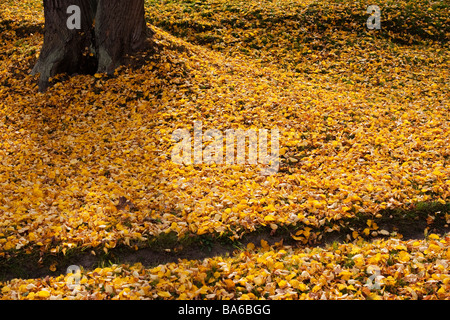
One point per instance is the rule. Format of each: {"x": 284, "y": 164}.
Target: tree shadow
{"x": 22, "y": 30}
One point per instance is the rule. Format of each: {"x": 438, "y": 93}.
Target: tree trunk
{"x": 120, "y": 30}
{"x": 63, "y": 48}
{"x": 99, "y": 45}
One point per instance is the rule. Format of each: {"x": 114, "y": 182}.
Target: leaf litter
{"x": 363, "y": 122}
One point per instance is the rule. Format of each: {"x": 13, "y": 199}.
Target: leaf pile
{"x": 363, "y": 120}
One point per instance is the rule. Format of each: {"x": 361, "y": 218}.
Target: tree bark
{"x": 120, "y": 30}
{"x": 64, "y": 50}
{"x": 100, "y": 45}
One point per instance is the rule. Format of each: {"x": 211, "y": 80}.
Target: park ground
{"x": 359, "y": 208}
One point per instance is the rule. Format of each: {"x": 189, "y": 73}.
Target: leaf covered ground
{"x": 364, "y": 132}
{"x": 403, "y": 269}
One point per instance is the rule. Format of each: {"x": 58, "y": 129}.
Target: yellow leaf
{"x": 37, "y": 192}
{"x": 298, "y": 238}
{"x": 403, "y": 256}
{"x": 43, "y": 294}
{"x": 359, "y": 260}
{"x": 164, "y": 294}
{"x": 31, "y": 236}
{"x": 258, "y": 280}
{"x": 6, "y": 289}
{"x": 306, "y": 233}
{"x": 264, "y": 244}
{"x": 229, "y": 284}
{"x": 316, "y": 288}
{"x": 441, "y": 292}
{"x": 8, "y": 245}
{"x": 302, "y": 287}
{"x": 345, "y": 274}
{"x": 269, "y": 218}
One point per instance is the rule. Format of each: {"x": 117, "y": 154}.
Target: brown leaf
{"x": 124, "y": 202}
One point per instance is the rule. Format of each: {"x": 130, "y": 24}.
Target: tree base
{"x": 119, "y": 30}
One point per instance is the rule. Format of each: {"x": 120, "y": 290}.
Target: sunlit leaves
{"x": 364, "y": 126}
{"x": 404, "y": 270}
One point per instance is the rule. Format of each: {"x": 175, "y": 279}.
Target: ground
{"x": 87, "y": 176}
